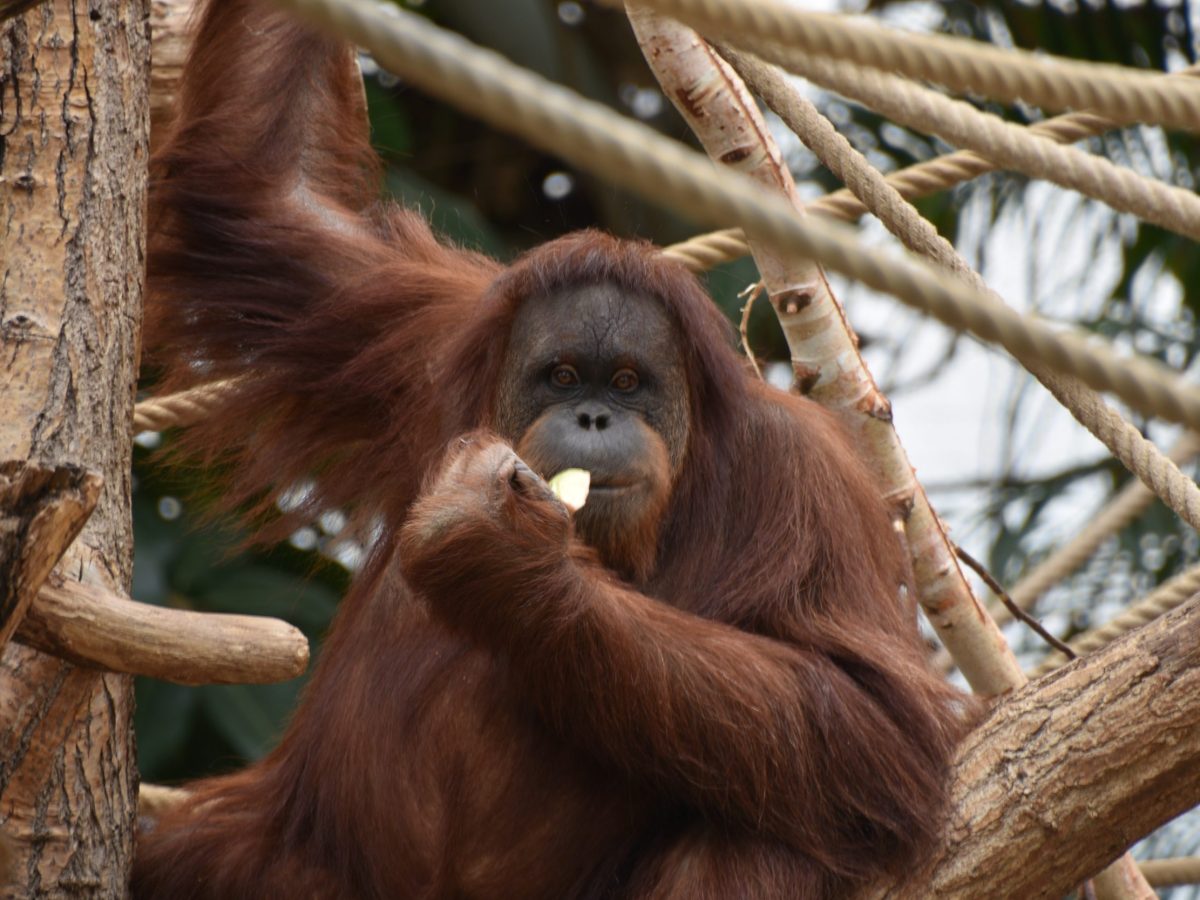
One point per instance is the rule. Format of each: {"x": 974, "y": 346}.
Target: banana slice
{"x": 571, "y": 487}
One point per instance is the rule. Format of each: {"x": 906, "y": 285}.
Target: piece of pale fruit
{"x": 571, "y": 487}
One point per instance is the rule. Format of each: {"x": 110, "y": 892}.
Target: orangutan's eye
{"x": 625, "y": 380}
{"x": 564, "y": 376}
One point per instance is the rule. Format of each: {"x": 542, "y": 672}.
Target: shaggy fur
{"x": 496, "y": 714}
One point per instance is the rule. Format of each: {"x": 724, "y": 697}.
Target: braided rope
{"x": 184, "y": 408}
{"x": 1128, "y": 444}
{"x": 1167, "y": 597}
{"x": 635, "y": 156}
{"x": 1124, "y": 94}
{"x": 902, "y": 219}
{"x": 707, "y": 251}
{"x": 1009, "y": 145}
{"x": 704, "y": 251}
{"x": 156, "y": 799}
{"x": 1123, "y": 509}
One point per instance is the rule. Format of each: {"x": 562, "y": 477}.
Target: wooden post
{"x": 74, "y": 127}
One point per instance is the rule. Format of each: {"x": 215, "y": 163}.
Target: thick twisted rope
{"x": 635, "y": 156}
{"x": 183, "y": 408}
{"x": 1126, "y": 443}
{"x": 1009, "y": 146}
{"x": 902, "y": 219}
{"x": 156, "y": 799}
{"x": 1127, "y": 506}
{"x": 704, "y": 251}
{"x": 709, "y": 250}
{"x": 1124, "y": 508}
{"x": 782, "y": 33}
{"x": 1168, "y": 596}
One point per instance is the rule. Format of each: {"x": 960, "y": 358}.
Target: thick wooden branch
{"x": 1073, "y": 768}
{"x": 42, "y": 509}
{"x": 93, "y": 627}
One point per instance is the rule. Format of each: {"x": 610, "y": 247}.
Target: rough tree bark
{"x": 1073, "y": 768}
{"x": 74, "y": 126}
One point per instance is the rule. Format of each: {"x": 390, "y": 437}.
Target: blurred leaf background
{"x": 487, "y": 190}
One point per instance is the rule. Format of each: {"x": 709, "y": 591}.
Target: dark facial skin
{"x": 594, "y": 380}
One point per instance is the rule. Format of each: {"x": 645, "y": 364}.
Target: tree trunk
{"x": 74, "y": 129}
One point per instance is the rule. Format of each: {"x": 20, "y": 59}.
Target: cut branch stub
{"x": 42, "y": 509}
{"x": 92, "y": 627}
